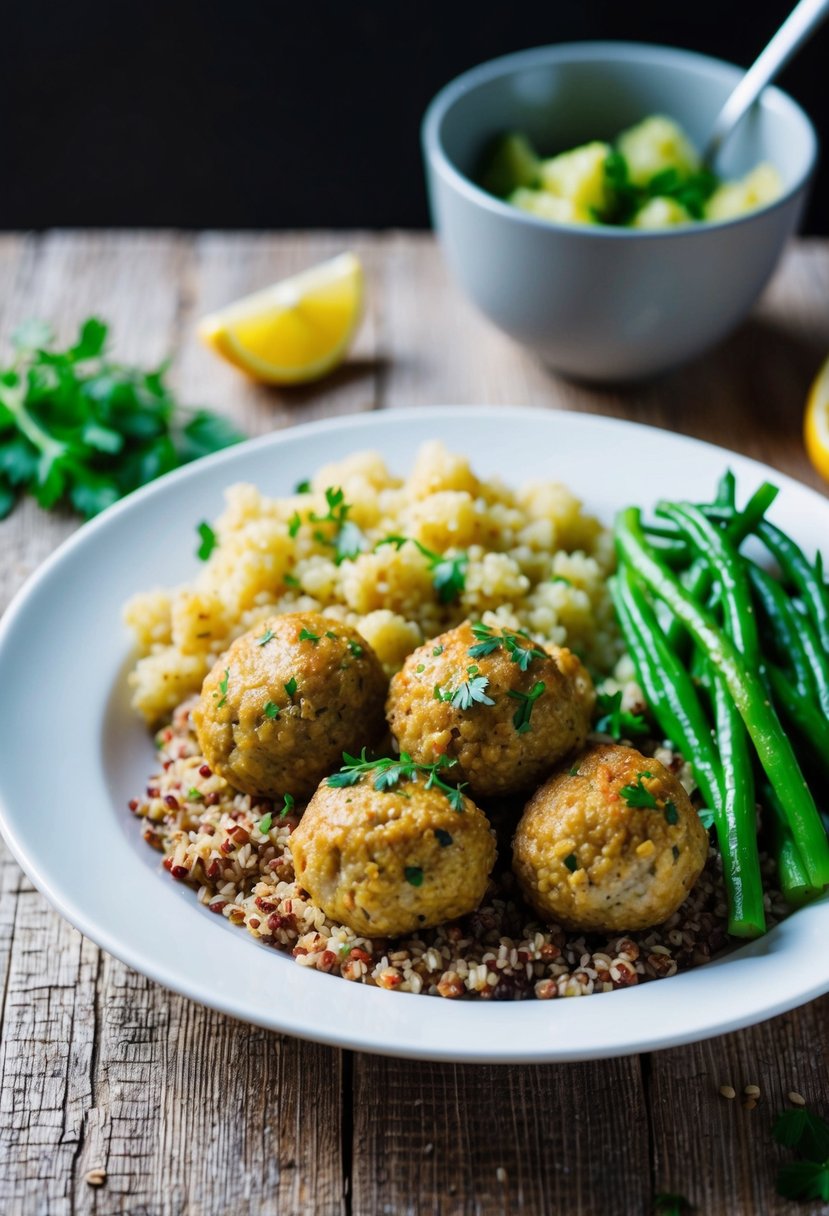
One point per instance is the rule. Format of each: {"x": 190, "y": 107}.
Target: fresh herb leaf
{"x": 638, "y": 796}
{"x": 571, "y": 862}
{"x": 290, "y": 580}
{"x": 444, "y": 838}
{"x": 574, "y": 771}
{"x": 348, "y": 540}
{"x": 294, "y": 525}
{"x": 803, "y": 1180}
{"x": 288, "y": 802}
{"x": 671, "y": 813}
{"x": 521, "y": 717}
{"x": 305, "y": 635}
{"x": 291, "y": 687}
{"x": 804, "y": 1131}
{"x": 302, "y": 487}
{"x": 486, "y": 641}
{"x": 437, "y": 650}
{"x": 706, "y": 818}
{"x": 355, "y": 648}
{"x": 223, "y": 688}
{"x": 329, "y": 633}
{"x": 266, "y": 637}
{"x": 471, "y": 691}
{"x": 271, "y": 710}
{"x": 208, "y": 541}
{"x": 448, "y": 573}
{"x": 195, "y": 795}
{"x": 390, "y": 771}
{"x": 265, "y": 823}
{"x": 615, "y": 721}
{"x": 414, "y": 875}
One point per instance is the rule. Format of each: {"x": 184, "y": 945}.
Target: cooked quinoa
{"x": 236, "y": 853}
{"x": 533, "y": 559}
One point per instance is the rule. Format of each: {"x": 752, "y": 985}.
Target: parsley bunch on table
{"x": 80, "y": 429}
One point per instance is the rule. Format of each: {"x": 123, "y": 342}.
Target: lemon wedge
{"x": 816, "y": 422}
{"x": 294, "y": 331}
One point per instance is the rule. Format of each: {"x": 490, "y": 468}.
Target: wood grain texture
{"x": 189, "y": 1112}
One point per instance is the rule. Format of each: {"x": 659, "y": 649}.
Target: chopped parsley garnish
{"x": 448, "y": 573}
{"x": 414, "y": 875}
{"x": 437, "y": 650}
{"x": 521, "y": 717}
{"x": 807, "y": 1134}
{"x": 329, "y": 633}
{"x": 638, "y": 796}
{"x": 671, "y": 813}
{"x": 348, "y": 540}
{"x": 391, "y": 770}
{"x": 302, "y": 487}
{"x": 294, "y": 524}
{"x": 265, "y": 823}
{"x": 208, "y": 541}
{"x": 574, "y": 771}
{"x": 487, "y": 641}
{"x": 271, "y": 709}
{"x": 706, "y": 817}
{"x": 615, "y": 721}
{"x": 288, "y": 802}
{"x": 291, "y": 686}
{"x": 470, "y": 692}
{"x": 443, "y": 837}
{"x": 290, "y": 580}
{"x": 195, "y": 795}
{"x": 305, "y": 635}
{"x": 420, "y": 667}
{"x": 355, "y": 648}
{"x": 266, "y": 637}
{"x": 223, "y": 688}
{"x": 571, "y": 862}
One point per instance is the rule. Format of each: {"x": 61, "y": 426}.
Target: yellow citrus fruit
{"x": 816, "y": 422}
{"x": 296, "y": 330}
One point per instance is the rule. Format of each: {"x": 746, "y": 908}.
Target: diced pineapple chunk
{"x": 578, "y": 176}
{"x": 661, "y": 212}
{"x": 545, "y": 206}
{"x": 654, "y": 145}
{"x": 757, "y": 189}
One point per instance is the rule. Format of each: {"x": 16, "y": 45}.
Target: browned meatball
{"x": 504, "y": 707}
{"x": 286, "y": 700}
{"x": 392, "y": 861}
{"x": 610, "y": 843}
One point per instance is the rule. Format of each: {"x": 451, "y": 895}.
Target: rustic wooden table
{"x": 189, "y": 1112}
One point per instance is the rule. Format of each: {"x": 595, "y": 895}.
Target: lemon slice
{"x": 816, "y": 422}
{"x": 296, "y": 330}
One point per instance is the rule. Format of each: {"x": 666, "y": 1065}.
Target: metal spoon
{"x": 800, "y": 24}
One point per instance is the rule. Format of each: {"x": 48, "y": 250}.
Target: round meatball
{"x": 609, "y": 844}
{"x": 389, "y": 862}
{"x": 504, "y": 707}
{"x": 286, "y": 700}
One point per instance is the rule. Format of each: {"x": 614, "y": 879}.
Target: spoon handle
{"x": 798, "y": 26}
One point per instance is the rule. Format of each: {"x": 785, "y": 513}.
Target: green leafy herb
{"x": 443, "y": 837}
{"x": 420, "y": 667}
{"x": 521, "y": 717}
{"x": 290, "y": 580}
{"x": 571, "y": 862}
{"x": 706, "y": 817}
{"x": 574, "y": 771}
{"x": 271, "y": 709}
{"x": 448, "y": 573}
{"x": 195, "y": 795}
{"x": 414, "y": 875}
{"x": 223, "y": 688}
{"x": 348, "y": 540}
{"x": 294, "y": 524}
{"x": 470, "y": 692}
{"x": 638, "y": 796}
{"x": 804, "y": 1131}
{"x": 329, "y": 633}
{"x": 671, "y": 813}
{"x": 266, "y": 637}
{"x": 615, "y": 721}
{"x": 207, "y": 541}
{"x": 291, "y": 686}
{"x": 390, "y": 771}
{"x": 77, "y": 428}
{"x": 305, "y": 635}
{"x": 265, "y": 823}
{"x": 487, "y": 641}
{"x": 355, "y": 648}
{"x": 804, "y": 1180}
{"x": 302, "y": 487}
{"x": 288, "y": 803}
{"x": 437, "y": 650}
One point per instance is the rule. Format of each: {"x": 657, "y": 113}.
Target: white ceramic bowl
{"x": 606, "y": 303}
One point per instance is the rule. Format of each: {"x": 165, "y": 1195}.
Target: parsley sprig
{"x": 348, "y": 540}
{"x": 448, "y": 573}
{"x": 515, "y": 644}
{"x": 521, "y": 717}
{"x": 638, "y": 796}
{"x": 390, "y": 771}
{"x": 808, "y": 1134}
{"x": 615, "y": 721}
{"x": 77, "y": 428}
{"x": 471, "y": 691}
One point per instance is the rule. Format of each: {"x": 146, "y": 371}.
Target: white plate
{"x": 72, "y": 753}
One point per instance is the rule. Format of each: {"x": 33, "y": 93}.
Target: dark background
{"x": 195, "y": 114}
